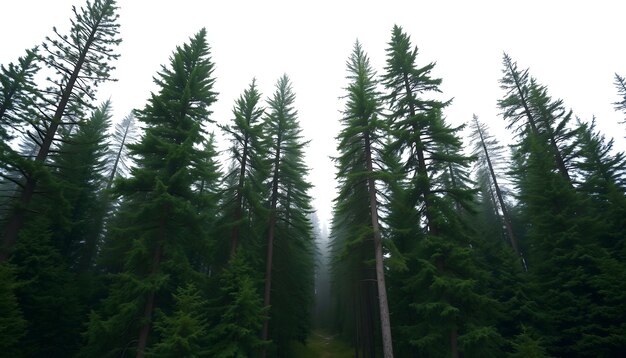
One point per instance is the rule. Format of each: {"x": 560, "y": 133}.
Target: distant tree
{"x": 490, "y": 155}
{"x": 124, "y": 134}
{"x": 81, "y": 60}
{"x": 620, "y": 83}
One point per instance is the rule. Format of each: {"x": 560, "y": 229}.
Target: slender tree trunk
{"x": 234, "y": 237}
{"x": 270, "y": 241}
{"x": 505, "y": 214}
{"x": 118, "y": 156}
{"x": 149, "y": 305}
{"x": 454, "y": 343}
{"x": 16, "y": 220}
{"x": 385, "y": 322}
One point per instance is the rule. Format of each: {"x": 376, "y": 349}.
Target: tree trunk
{"x": 270, "y": 241}
{"x": 234, "y": 237}
{"x": 16, "y": 219}
{"x": 149, "y": 306}
{"x": 385, "y": 322}
{"x": 505, "y": 214}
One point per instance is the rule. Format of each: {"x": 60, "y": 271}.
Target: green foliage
{"x": 184, "y": 332}
{"x": 12, "y": 324}
{"x": 80, "y": 168}
{"x": 237, "y": 314}
{"x": 161, "y": 236}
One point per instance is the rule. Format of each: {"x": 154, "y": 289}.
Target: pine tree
{"x": 603, "y": 180}
{"x": 574, "y": 280}
{"x": 184, "y": 332}
{"x": 443, "y": 286}
{"x": 80, "y": 60}
{"x": 161, "y": 221}
{"x": 529, "y": 109}
{"x": 491, "y": 155}
{"x": 620, "y": 83}
{"x": 356, "y": 224}
{"x": 18, "y": 92}
{"x": 123, "y": 135}
{"x": 289, "y": 264}
{"x": 80, "y": 168}
{"x": 238, "y": 313}
{"x": 12, "y": 323}
{"x": 248, "y": 168}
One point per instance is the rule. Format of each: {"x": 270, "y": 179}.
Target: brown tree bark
{"x": 385, "y": 321}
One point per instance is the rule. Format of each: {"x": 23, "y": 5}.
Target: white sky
{"x": 573, "y": 47}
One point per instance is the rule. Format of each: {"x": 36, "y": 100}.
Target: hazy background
{"x": 573, "y": 47}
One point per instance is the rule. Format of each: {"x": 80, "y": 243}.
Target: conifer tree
{"x": 248, "y": 168}
{"x": 289, "y": 260}
{"x": 184, "y": 332}
{"x": 355, "y": 223}
{"x": 161, "y": 222}
{"x": 12, "y": 323}
{"x": 18, "y": 93}
{"x": 124, "y": 134}
{"x": 80, "y": 168}
{"x": 491, "y": 155}
{"x": 81, "y": 61}
{"x": 620, "y": 105}
{"x": 574, "y": 279}
{"x": 529, "y": 109}
{"x": 237, "y": 312}
{"x": 444, "y": 285}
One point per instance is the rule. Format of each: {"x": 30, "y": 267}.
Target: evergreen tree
{"x": 80, "y": 168}
{"x": 443, "y": 286}
{"x": 162, "y": 223}
{"x": 490, "y": 156}
{"x": 12, "y": 323}
{"x": 575, "y": 280}
{"x": 238, "y": 313}
{"x": 18, "y": 92}
{"x": 80, "y": 60}
{"x": 289, "y": 264}
{"x": 123, "y": 135}
{"x": 620, "y": 83}
{"x": 356, "y": 219}
{"x": 248, "y": 170}
{"x": 184, "y": 332}
{"x": 529, "y": 109}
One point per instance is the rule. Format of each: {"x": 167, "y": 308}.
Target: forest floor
{"x": 322, "y": 345}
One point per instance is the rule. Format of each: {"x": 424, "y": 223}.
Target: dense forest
{"x": 136, "y": 236}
